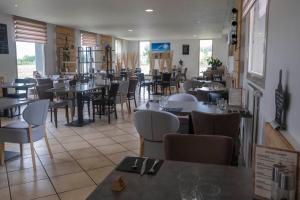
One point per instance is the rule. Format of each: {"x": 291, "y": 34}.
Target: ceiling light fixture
{"x": 149, "y": 10}
{"x": 195, "y": 35}
{"x": 16, "y": 5}
{"x": 130, "y": 30}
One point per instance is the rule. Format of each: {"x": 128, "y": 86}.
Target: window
{"x": 144, "y": 56}
{"x": 118, "y": 48}
{"x": 30, "y": 37}
{"x": 88, "y": 55}
{"x": 205, "y": 53}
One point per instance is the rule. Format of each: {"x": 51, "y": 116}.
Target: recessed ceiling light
{"x": 16, "y": 5}
{"x": 130, "y": 30}
{"x": 149, "y": 10}
{"x": 195, "y": 35}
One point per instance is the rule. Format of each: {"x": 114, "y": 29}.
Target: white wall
{"x": 283, "y": 50}
{"x": 220, "y": 49}
{"x": 191, "y": 61}
{"x": 8, "y": 62}
{"x": 50, "y": 51}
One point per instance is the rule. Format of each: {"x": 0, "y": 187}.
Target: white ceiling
{"x": 171, "y": 19}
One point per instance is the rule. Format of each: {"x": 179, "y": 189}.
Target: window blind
{"x": 88, "y": 39}
{"x": 27, "y": 30}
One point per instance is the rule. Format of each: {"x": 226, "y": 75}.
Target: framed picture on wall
{"x": 185, "y": 49}
{"x": 3, "y": 39}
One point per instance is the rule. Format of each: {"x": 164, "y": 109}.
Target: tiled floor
{"x": 83, "y": 157}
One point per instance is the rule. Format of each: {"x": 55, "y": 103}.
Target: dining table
{"x": 7, "y": 85}
{"x": 220, "y": 181}
{"x": 185, "y": 108}
{"x": 79, "y": 90}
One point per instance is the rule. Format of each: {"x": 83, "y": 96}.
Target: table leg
{"x": 80, "y": 107}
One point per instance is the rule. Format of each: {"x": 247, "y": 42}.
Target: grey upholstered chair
{"x": 211, "y": 149}
{"x": 152, "y": 126}
{"x": 28, "y": 131}
{"x": 182, "y": 97}
{"x": 184, "y": 120}
{"x": 122, "y": 95}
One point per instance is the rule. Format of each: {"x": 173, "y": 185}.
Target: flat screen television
{"x": 161, "y": 47}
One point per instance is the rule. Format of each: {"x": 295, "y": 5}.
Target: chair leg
{"x": 129, "y": 107}
{"x": 108, "y": 113}
{"x": 134, "y": 101}
{"x": 48, "y": 145}
{"x": 89, "y": 109}
{"x": 51, "y": 118}
{"x": 19, "y": 112}
{"x": 122, "y": 110}
{"x": 141, "y": 146}
{"x": 2, "y": 148}
{"x": 67, "y": 114}
{"x": 55, "y": 117}
{"x": 115, "y": 108}
{"x": 31, "y": 146}
{"x": 21, "y": 150}
{"x": 93, "y": 106}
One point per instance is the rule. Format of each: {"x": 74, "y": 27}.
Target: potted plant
{"x": 214, "y": 63}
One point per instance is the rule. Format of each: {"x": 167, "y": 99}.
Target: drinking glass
{"x": 163, "y": 101}
{"x": 207, "y": 191}
{"x": 187, "y": 184}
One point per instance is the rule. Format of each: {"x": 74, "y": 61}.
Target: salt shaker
{"x": 277, "y": 168}
{"x": 287, "y": 189}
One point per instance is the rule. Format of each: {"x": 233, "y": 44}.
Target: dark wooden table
{"x": 7, "y": 85}
{"x": 79, "y": 90}
{"x": 235, "y": 183}
{"x": 188, "y": 107}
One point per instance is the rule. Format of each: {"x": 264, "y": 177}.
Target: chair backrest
{"x": 182, "y": 97}
{"x": 45, "y": 81}
{"x": 185, "y": 71}
{"x": 42, "y": 92}
{"x": 216, "y": 124}
{"x": 141, "y": 77}
{"x": 132, "y": 86}
{"x": 187, "y": 85}
{"x": 152, "y": 125}
{"x": 214, "y": 96}
{"x": 36, "y": 112}
{"x": 210, "y": 149}
{"x": 202, "y": 95}
{"x": 123, "y": 87}
{"x": 166, "y": 77}
{"x": 113, "y": 90}
{"x": 72, "y": 82}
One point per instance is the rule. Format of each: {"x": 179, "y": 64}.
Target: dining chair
{"x": 32, "y": 129}
{"x": 183, "y": 75}
{"x": 226, "y": 124}
{"x": 165, "y": 82}
{"x": 122, "y": 95}
{"x": 43, "y": 93}
{"x": 187, "y": 85}
{"x": 131, "y": 92}
{"x": 184, "y": 120}
{"x": 143, "y": 83}
{"x": 107, "y": 101}
{"x": 209, "y": 149}
{"x": 21, "y": 92}
{"x": 202, "y": 95}
{"x": 44, "y": 81}
{"x": 152, "y": 126}
{"x": 214, "y": 96}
